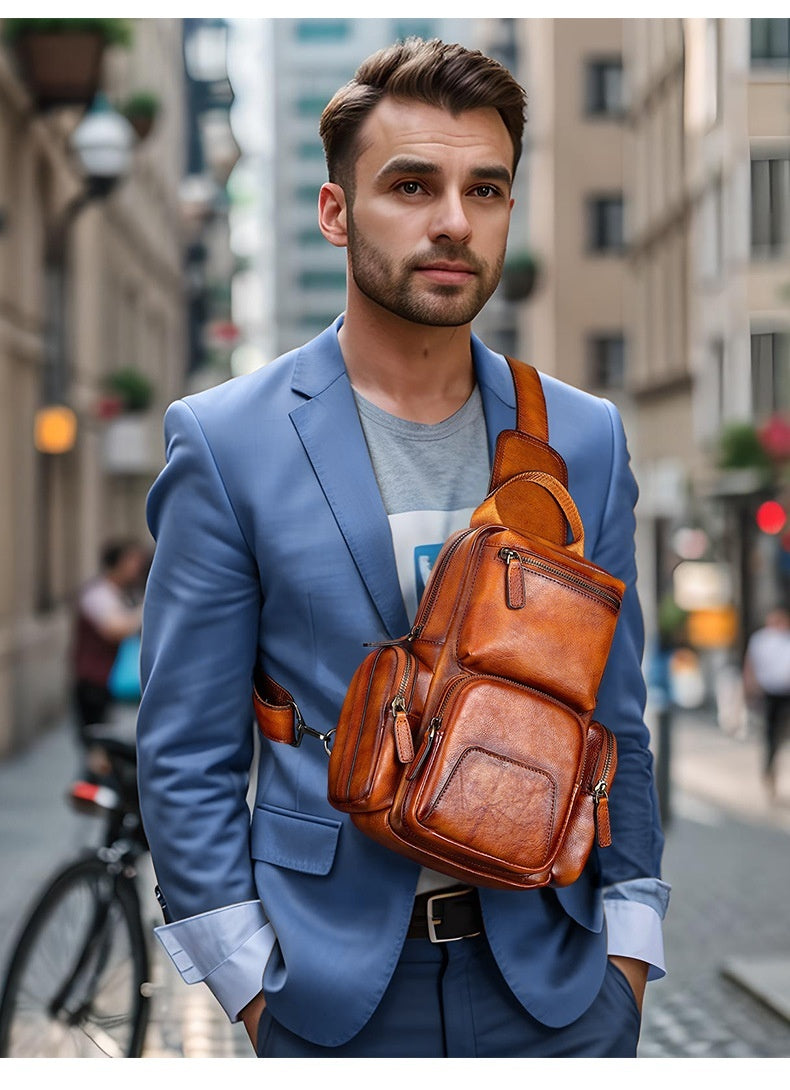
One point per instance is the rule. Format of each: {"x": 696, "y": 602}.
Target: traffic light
{"x": 771, "y": 517}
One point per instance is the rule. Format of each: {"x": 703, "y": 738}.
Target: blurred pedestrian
{"x": 766, "y": 677}
{"x": 109, "y": 609}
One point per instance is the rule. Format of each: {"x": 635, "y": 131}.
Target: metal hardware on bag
{"x": 301, "y": 729}
{"x": 433, "y": 937}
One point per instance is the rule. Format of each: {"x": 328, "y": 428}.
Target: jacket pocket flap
{"x": 297, "y": 841}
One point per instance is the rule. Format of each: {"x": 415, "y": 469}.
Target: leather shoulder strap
{"x": 531, "y": 415}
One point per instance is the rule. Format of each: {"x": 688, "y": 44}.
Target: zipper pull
{"x": 603, "y": 829}
{"x": 515, "y": 592}
{"x": 430, "y": 734}
{"x": 404, "y": 744}
{"x": 411, "y": 635}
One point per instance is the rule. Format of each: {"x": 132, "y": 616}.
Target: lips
{"x": 446, "y": 266}
{"x": 447, "y": 272}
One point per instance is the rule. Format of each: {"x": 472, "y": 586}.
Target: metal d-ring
{"x": 301, "y": 729}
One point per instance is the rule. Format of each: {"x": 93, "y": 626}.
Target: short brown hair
{"x": 433, "y": 72}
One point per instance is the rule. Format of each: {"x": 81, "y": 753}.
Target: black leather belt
{"x": 446, "y": 915}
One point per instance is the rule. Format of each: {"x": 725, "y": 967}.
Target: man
{"x": 293, "y": 519}
{"x": 766, "y": 677}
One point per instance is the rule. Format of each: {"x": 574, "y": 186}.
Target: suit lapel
{"x": 329, "y": 428}
{"x": 497, "y": 392}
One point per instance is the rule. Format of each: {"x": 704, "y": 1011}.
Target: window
{"x": 307, "y": 193}
{"x": 604, "y": 88}
{"x": 770, "y": 205}
{"x": 323, "y": 279}
{"x": 717, "y": 376}
{"x": 606, "y": 224}
{"x": 310, "y": 236}
{"x": 770, "y": 372}
{"x": 606, "y": 361}
{"x": 322, "y": 30}
{"x": 714, "y": 70}
{"x": 311, "y": 105}
{"x": 311, "y": 150}
{"x": 770, "y": 41}
{"x": 417, "y": 28}
{"x": 711, "y": 249}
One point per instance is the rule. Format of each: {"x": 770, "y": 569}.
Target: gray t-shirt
{"x": 431, "y": 478}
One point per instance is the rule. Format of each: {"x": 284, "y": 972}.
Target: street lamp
{"x": 103, "y": 143}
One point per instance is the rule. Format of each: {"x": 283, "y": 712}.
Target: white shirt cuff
{"x": 634, "y": 931}
{"x": 227, "y": 948}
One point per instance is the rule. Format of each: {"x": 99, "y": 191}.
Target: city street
{"x": 727, "y": 856}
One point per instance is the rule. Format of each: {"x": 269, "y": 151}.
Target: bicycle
{"x": 77, "y": 984}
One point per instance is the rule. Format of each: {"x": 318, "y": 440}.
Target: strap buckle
{"x": 434, "y": 921}
{"x": 301, "y": 729}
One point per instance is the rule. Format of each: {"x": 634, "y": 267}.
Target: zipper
{"x": 427, "y": 745}
{"x": 435, "y": 579}
{"x": 435, "y": 727}
{"x": 600, "y": 794}
{"x": 515, "y": 590}
{"x": 404, "y": 744}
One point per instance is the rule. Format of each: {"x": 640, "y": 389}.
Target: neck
{"x": 417, "y": 372}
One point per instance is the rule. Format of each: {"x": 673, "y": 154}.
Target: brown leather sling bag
{"x": 468, "y": 745}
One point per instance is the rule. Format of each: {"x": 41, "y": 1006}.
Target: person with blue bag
{"x": 105, "y": 651}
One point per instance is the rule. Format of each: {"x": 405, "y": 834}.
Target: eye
{"x": 485, "y": 190}
{"x": 410, "y": 188}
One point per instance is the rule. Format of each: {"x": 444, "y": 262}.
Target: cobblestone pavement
{"x": 727, "y": 857}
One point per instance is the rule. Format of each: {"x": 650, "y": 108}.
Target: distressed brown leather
{"x": 468, "y": 745}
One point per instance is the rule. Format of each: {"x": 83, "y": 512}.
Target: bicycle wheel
{"x": 73, "y": 986}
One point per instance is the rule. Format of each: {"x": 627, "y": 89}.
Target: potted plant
{"x": 519, "y": 276}
{"x": 132, "y": 391}
{"x": 60, "y": 59}
{"x": 132, "y": 435}
{"x": 141, "y": 110}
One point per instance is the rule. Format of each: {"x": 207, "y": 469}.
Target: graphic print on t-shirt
{"x": 417, "y": 537}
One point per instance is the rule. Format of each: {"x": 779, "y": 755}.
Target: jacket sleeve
{"x": 637, "y": 840}
{"x": 195, "y": 724}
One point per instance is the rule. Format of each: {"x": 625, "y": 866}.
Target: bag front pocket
{"x": 540, "y": 620}
{"x": 374, "y": 738}
{"x": 496, "y": 776}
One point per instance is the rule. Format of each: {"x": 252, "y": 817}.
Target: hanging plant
{"x": 740, "y": 448}
{"x": 132, "y": 391}
{"x": 519, "y": 276}
{"x": 60, "y": 59}
{"x": 141, "y": 110}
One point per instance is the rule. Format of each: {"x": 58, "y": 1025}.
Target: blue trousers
{"x": 451, "y": 1000}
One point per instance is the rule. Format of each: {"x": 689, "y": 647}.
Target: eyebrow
{"x": 406, "y": 164}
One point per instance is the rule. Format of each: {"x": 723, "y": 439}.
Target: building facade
{"x": 85, "y": 291}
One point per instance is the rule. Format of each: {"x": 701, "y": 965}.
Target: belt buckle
{"x": 432, "y": 936}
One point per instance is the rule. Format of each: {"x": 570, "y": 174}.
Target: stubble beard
{"x": 395, "y": 288}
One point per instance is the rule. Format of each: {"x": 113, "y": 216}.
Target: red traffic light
{"x": 771, "y": 517}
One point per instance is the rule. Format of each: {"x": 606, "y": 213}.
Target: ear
{"x": 332, "y": 213}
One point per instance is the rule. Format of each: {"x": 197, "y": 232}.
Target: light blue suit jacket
{"x": 273, "y": 544}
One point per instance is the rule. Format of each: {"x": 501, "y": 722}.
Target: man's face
{"x": 427, "y": 227}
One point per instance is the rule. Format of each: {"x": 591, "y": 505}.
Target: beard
{"x": 394, "y": 285}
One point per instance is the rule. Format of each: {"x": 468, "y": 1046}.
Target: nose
{"x": 450, "y": 221}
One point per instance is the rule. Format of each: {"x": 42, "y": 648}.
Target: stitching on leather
{"x": 504, "y": 760}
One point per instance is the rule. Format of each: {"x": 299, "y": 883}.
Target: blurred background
{"x": 158, "y": 235}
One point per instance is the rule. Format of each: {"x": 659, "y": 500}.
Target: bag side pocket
{"x": 375, "y": 731}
